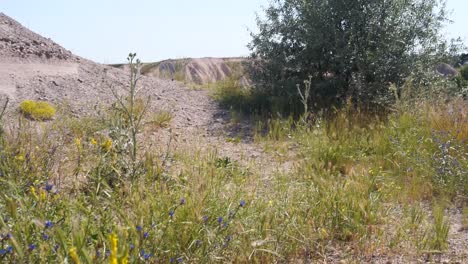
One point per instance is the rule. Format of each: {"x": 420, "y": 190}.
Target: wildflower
{"x": 33, "y": 192}
{"x": 9, "y": 249}
{"x": 49, "y": 224}
{"x": 242, "y": 203}
{"x": 132, "y": 246}
{"x": 93, "y": 142}
{"x": 113, "y": 241}
{"x": 56, "y": 247}
{"x": 74, "y": 255}
{"x": 107, "y": 253}
{"x": 205, "y": 218}
{"x": 171, "y": 214}
{"x": 180, "y": 259}
{"x": 45, "y": 236}
{"x": 48, "y": 187}
{"x": 32, "y": 247}
{"x": 43, "y": 195}
{"x": 146, "y": 256}
{"x": 182, "y": 201}
{"x": 107, "y": 145}
{"x": 220, "y": 219}
{"x": 139, "y": 228}
{"x": 2, "y": 252}
{"x": 197, "y": 243}
{"x": 146, "y": 235}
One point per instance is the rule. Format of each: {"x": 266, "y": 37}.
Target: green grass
{"x": 360, "y": 187}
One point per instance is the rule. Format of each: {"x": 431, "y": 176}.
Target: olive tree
{"x": 351, "y": 48}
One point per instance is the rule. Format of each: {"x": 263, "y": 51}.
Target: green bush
{"x": 464, "y": 72}
{"x": 37, "y": 110}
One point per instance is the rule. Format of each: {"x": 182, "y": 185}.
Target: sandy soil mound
{"x": 199, "y": 71}
{"x": 34, "y": 67}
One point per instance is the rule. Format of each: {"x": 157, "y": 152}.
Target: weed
{"x": 37, "y": 110}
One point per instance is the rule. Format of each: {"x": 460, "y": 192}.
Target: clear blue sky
{"x": 107, "y": 30}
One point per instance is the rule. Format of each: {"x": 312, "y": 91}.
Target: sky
{"x": 107, "y": 30}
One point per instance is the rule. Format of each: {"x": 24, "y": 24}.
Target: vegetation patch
{"x": 37, "y": 110}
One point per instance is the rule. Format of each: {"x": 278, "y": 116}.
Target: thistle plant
{"x": 131, "y": 111}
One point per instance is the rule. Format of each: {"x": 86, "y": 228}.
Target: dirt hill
{"x": 35, "y": 67}
{"x": 198, "y": 71}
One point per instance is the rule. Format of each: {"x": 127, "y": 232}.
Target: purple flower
{"x": 171, "y": 214}
{"x": 107, "y": 252}
{"x": 182, "y": 201}
{"x": 56, "y": 247}
{"x": 146, "y": 235}
{"x": 242, "y": 203}
{"x": 2, "y": 252}
{"x": 49, "y": 187}
{"x": 45, "y": 236}
{"x": 9, "y": 249}
{"x": 49, "y": 224}
{"x": 146, "y": 256}
{"x": 32, "y": 247}
{"x": 132, "y": 246}
{"x": 139, "y": 228}
{"x": 180, "y": 259}
{"x": 220, "y": 219}
{"x": 205, "y": 218}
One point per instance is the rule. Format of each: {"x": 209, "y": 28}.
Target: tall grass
{"x": 358, "y": 191}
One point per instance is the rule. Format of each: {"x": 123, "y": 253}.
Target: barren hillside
{"x": 34, "y": 67}
{"x": 198, "y": 71}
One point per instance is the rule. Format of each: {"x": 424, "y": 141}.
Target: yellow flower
{"x": 19, "y": 158}
{"x": 113, "y": 245}
{"x": 43, "y": 195}
{"x": 78, "y": 141}
{"x": 33, "y": 192}
{"x": 73, "y": 255}
{"x": 107, "y": 145}
{"x": 93, "y": 141}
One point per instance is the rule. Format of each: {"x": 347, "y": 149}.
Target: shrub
{"x": 37, "y": 110}
{"x": 464, "y": 72}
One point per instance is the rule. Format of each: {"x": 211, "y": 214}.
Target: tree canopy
{"x": 350, "y": 48}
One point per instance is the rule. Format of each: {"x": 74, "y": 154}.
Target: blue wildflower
{"x": 171, "y": 214}
{"x": 139, "y": 228}
{"x": 205, "y": 218}
{"x": 49, "y": 187}
{"x": 182, "y": 201}
{"x": 146, "y": 235}
{"x": 2, "y": 252}
{"x": 49, "y": 224}
{"x": 45, "y": 236}
{"x": 242, "y": 203}
{"x": 180, "y": 259}
{"x": 32, "y": 247}
{"x": 220, "y": 219}
{"x": 9, "y": 249}
{"x": 132, "y": 246}
{"x": 172, "y": 260}
{"x": 146, "y": 256}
